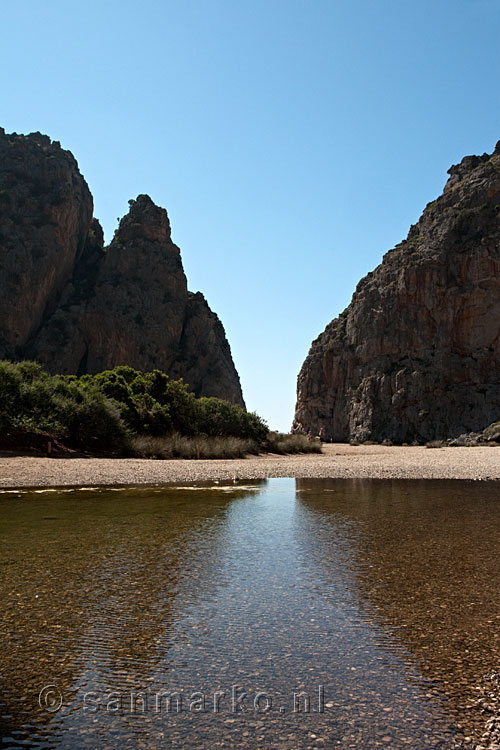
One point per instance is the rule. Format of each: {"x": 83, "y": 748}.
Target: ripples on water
{"x": 377, "y": 601}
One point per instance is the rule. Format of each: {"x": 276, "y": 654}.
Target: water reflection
{"x": 89, "y": 590}
{"x": 363, "y": 597}
{"x": 425, "y": 566}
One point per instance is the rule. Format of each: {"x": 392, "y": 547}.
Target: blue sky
{"x": 291, "y": 142}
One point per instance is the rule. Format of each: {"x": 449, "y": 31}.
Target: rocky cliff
{"x": 76, "y": 306}
{"x": 45, "y": 215}
{"x": 416, "y": 355}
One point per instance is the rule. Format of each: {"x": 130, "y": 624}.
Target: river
{"x": 276, "y": 614}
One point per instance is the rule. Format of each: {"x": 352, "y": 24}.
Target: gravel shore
{"x": 337, "y": 461}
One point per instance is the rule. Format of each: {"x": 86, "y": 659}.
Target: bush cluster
{"x": 32, "y": 401}
{"x": 105, "y": 410}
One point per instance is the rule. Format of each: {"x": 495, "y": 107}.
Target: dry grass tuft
{"x": 181, "y": 446}
{"x": 278, "y": 442}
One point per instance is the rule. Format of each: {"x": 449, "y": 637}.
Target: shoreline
{"x": 338, "y": 461}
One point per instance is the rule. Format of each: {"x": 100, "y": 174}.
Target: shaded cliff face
{"x": 204, "y": 359}
{"x": 78, "y": 307}
{"x": 416, "y": 355}
{"x": 133, "y": 309}
{"x": 45, "y": 214}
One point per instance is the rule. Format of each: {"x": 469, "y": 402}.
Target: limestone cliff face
{"x": 78, "y": 307}
{"x": 133, "y": 312}
{"x": 204, "y": 359}
{"x": 45, "y": 213}
{"x": 416, "y": 355}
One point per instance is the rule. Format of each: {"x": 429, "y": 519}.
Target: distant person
{"x": 321, "y": 434}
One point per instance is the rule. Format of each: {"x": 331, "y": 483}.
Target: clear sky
{"x": 292, "y": 142}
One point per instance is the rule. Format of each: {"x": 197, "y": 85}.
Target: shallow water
{"x": 375, "y": 602}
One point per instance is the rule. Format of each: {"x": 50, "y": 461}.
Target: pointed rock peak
{"x": 145, "y": 219}
{"x": 96, "y": 233}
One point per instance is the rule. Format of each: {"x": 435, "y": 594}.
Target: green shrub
{"x": 102, "y": 410}
{"x": 220, "y": 418}
{"x": 153, "y": 403}
{"x": 77, "y": 413}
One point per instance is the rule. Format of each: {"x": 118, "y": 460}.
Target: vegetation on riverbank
{"x": 202, "y": 446}
{"x": 278, "y": 442}
{"x": 184, "y": 446}
{"x": 125, "y": 411}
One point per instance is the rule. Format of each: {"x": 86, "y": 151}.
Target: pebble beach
{"x": 337, "y": 461}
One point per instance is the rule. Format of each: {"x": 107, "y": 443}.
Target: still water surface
{"x": 374, "y": 604}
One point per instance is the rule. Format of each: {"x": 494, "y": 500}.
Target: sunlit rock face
{"x": 416, "y": 355}
{"x": 76, "y": 306}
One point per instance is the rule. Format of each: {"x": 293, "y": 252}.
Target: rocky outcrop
{"x": 416, "y": 355}
{"x": 204, "y": 359}
{"x": 78, "y": 307}
{"x": 45, "y": 214}
{"x": 131, "y": 313}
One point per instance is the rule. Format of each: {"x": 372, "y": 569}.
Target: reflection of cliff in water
{"x": 90, "y": 586}
{"x": 426, "y": 564}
